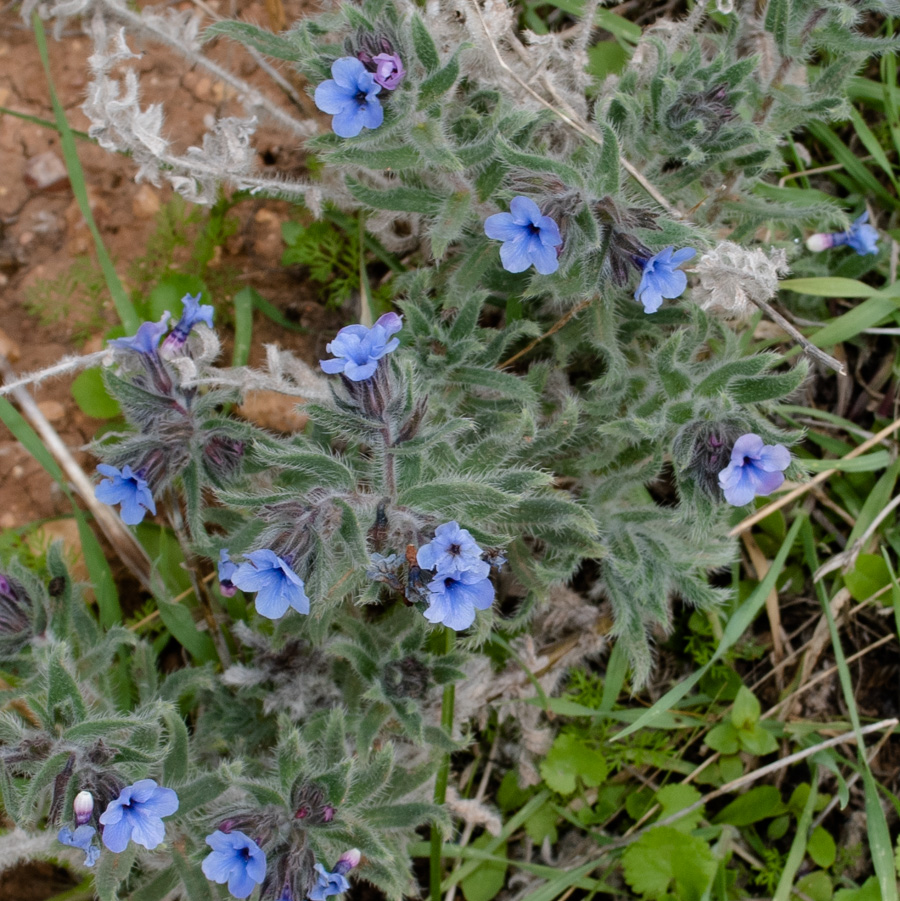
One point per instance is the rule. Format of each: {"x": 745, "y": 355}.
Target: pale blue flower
{"x": 82, "y": 838}
{"x": 236, "y": 859}
{"x": 328, "y": 884}
{"x": 350, "y": 96}
{"x": 453, "y": 599}
{"x": 127, "y": 488}
{"x": 358, "y": 349}
{"x": 660, "y": 278}
{"x": 227, "y": 569}
{"x": 861, "y": 237}
{"x": 278, "y": 587}
{"x": 146, "y": 339}
{"x": 453, "y": 550}
{"x": 755, "y": 469}
{"x": 136, "y": 815}
{"x": 528, "y": 237}
{"x": 192, "y": 313}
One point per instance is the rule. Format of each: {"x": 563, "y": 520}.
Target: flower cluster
{"x": 239, "y": 860}
{"x": 531, "y": 238}
{"x": 135, "y": 815}
{"x": 460, "y": 584}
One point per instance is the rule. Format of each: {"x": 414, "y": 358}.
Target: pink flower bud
{"x": 819, "y": 242}
{"x": 83, "y": 807}
{"x": 347, "y": 861}
{"x": 328, "y": 813}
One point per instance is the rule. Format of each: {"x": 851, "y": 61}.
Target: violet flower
{"x": 756, "y": 469}
{"x": 389, "y": 71}
{"x": 528, "y": 237}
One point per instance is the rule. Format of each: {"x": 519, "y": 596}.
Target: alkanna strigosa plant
{"x": 456, "y": 467}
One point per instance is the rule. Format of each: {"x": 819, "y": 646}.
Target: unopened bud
{"x": 83, "y": 806}
{"x": 819, "y": 242}
{"x": 347, "y": 861}
{"x": 328, "y": 813}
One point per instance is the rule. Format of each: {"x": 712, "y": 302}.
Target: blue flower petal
{"x": 502, "y": 227}
{"x": 524, "y": 211}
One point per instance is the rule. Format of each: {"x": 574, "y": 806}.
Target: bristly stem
{"x": 443, "y": 776}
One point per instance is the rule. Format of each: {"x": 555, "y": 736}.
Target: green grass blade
{"x": 127, "y": 313}
{"x": 243, "y": 326}
{"x": 880, "y": 845}
{"x": 737, "y": 626}
{"x": 798, "y": 845}
{"x": 98, "y": 568}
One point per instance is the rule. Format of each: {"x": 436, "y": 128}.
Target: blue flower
{"x": 358, "y": 349}
{"x": 127, "y": 488}
{"x": 192, "y": 313}
{"x": 227, "y": 569}
{"x": 454, "y": 598}
{"x": 453, "y": 550}
{"x": 146, "y": 339}
{"x": 136, "y": 815}
{"x": 236, "y": 859}
{"x": 350, "y": 98}
{"x": 755, "y": 469}
{"x": 528, "y": 237}
{"x": 328, "y": 884}
{"x": 861, "y": 237}
{"x": 660, "y": 278}
{"x": 277, "y": 585}
{"x": 83, "y": 838}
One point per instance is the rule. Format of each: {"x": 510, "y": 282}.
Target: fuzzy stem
{"x": 443, "y": 775}
{"x": 201, "y": 589}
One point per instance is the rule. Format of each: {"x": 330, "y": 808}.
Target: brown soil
{"x": 42, "y": 233}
